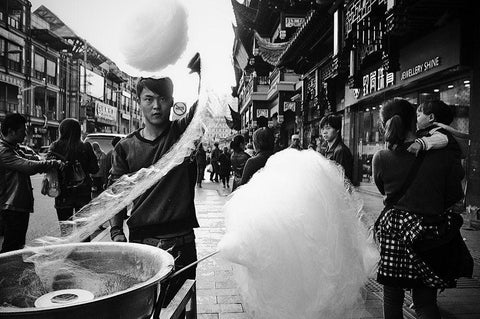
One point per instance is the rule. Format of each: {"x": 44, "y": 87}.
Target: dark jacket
{"x": 201, "y": 157}
{"x": 436, "y": 186}
{"x": 341, "y": 154}
{"x": 225, "y": 164}
{"x": 15, "y": 185}
{"x": 254, "y": 164}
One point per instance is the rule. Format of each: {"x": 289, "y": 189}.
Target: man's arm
{"x": 10, "y": 160}
{"x": 185, "y": 121}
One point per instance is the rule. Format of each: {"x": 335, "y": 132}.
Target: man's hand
{"x": 119, "y": 238}
{"x": 415, "y": 148}
{"x": 117, "y": 235}
{"x": 55, "y": 164}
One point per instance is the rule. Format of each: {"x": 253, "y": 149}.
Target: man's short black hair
{"x": 12, "y": 121}
{"x": 333, "y": 121}
{"x": 162, "y": 86}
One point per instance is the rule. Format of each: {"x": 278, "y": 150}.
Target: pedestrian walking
{"x": 214, "y": 161}
{"x": 420, "y": 244}
{"x": 225, "y": 167}
{"x": 201, "y": 158}
{"x": 75, "y": 181}
{"x": 99, "y": 178}
{"x": 264, "y": 143}
{"x": 238, "y": 159}
{"x": 335, "y": 149}
{"x": 16, "y": 196}
{"x": 164, "y": 216}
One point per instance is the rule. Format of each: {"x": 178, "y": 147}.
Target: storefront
{"x": 105, "y": 117}
{"x": 430, "y": 69}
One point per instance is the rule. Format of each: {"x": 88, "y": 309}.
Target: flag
{"x": 235, "y": 123}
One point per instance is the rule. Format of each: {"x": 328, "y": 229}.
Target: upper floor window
{"x": 14, "y": 53}
{"x": 51, "y": 72}
{"x": 39, "y": 67}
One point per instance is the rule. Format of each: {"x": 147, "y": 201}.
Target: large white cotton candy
{"x": 156, "y": 35}
{"x": 295, "y": 236}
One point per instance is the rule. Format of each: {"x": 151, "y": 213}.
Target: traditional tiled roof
{"x": 270, "y": 52}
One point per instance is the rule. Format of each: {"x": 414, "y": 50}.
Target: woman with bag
{"x": 201, "y": 158}
{"x": 418, "y": 191}
{"x": 75, "y": 182}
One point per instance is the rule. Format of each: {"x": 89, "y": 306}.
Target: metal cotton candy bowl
{"x": 97, "y": 280}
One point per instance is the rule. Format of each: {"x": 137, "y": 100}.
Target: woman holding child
{"x": 419, "y": 241}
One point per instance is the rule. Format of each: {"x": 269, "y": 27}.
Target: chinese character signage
{"x": 294, "y": 22}
{"x": 262, "y": 112}
{"x": 377, "y": 80}
{"x": 105, "y": 113}
{"x": 289, "y": 106}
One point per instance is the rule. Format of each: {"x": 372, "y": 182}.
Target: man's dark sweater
{"x": 167, "y": 207}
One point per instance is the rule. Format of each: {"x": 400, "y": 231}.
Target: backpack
{"x": 74, "y": 175}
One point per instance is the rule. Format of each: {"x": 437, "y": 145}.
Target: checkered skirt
{"x": 396, "y": 232}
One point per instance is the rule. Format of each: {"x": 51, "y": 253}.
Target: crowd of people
{"x": 419, "y": 173}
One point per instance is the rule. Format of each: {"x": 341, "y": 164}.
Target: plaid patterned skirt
{"x": 396, "y": 232}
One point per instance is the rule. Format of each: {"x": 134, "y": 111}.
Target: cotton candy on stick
{"x": 295, "y": 238}
{"x": 157, "y": 36}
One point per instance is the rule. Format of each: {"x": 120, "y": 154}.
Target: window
{"x": 14, "y": 57}
{"x": 51, "y": 72}
{"x": 39, "y": 63}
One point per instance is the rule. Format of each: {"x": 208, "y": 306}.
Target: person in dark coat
{"x": 263, "y": 142}
{"x": 239, "y": 158}
{"x": 201, "y": 158}
{"x": 16, "y": 196}
{"x": 225, "y": 167}
{"x": 335, "y": 149}
{"x": 76, "y": 154}
{"x": 214, "y": 161}
{"x": 415, "y": 212}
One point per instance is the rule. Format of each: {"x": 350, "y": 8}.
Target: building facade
{"x": 351, "y": 57}
{"x": 48, "y": 73}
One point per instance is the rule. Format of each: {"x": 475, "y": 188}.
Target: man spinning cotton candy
{"x": 164, "y": 216}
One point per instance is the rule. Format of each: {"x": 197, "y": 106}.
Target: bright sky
{"x": 210, "y": 32}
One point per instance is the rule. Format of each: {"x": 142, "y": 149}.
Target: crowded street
{"x": 239, "y": 159}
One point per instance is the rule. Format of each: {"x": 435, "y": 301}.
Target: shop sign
{"x": 105, "y": 113}
{"x": 377, "y": 80}
{"x": 289, "y": 106}
{"x": 11, "y": 80}
{"x": 421, "y": 67}
{"x": 125, "y": 116}
{"x": 294, "y": 22}
{"x": 262, "y": 112}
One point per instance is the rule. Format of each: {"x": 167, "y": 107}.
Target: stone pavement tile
{"x": 208, "y": 308}
{"x": 237, "y": 315}
{"x": 229, "y": 283}
{"x": 229, "y": 299}
{"x": 206, "y": 299}
{"x": 231, "y": 307}
{"x": 207, "y": 316}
